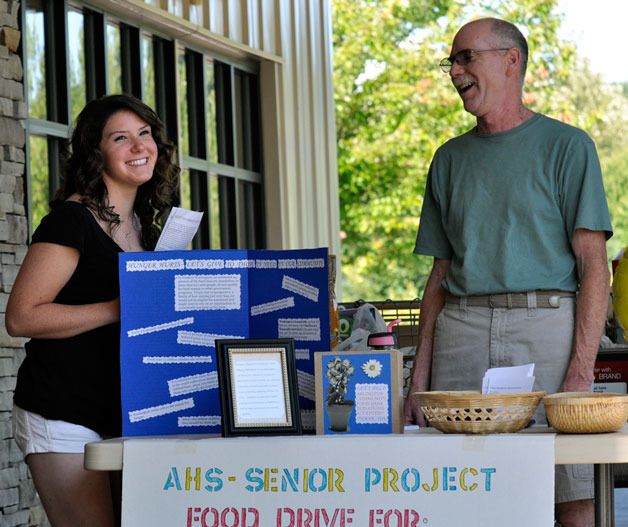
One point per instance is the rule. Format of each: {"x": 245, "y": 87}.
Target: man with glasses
{"x": 516, "y": 219}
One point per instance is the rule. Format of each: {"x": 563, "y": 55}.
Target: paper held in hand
{"x": 513, "y": 379}
{"x": 180, "y": 228}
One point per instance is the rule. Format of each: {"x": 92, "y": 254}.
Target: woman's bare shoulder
{"x": 75, "y": 197}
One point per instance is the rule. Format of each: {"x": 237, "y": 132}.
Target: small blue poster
{"x": 175, "y": 305}
{"x": 358, "y": 392}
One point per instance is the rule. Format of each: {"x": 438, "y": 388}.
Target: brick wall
{"x": 19, "y": 505}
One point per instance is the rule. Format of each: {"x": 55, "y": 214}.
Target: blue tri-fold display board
{"x": 175, "y": 305}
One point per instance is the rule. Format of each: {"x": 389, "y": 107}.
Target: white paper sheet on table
{"x": 510, "y": 379}
{"x": 180, "y": 228}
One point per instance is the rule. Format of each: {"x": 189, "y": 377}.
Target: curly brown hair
{"x": 83, "y": 167}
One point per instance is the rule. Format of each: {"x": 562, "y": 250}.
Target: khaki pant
{"x": 468, "y": 340}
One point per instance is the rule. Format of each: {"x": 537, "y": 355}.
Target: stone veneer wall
{"x": 19, "y": 504}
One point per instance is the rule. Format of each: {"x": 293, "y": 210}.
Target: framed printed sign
{"x": 258, "y": 387}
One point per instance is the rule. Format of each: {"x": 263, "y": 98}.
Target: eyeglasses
{"x": 463, "y": 57}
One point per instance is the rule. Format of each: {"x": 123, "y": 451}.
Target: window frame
{"x": 241, "y": 190}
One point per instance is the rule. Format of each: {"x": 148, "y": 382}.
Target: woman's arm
{"x": 31, "y": 311}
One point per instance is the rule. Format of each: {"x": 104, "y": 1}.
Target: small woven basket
{"x": 466, "y": 412}
{"x": 586, "y": 412}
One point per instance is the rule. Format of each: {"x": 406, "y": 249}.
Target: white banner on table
{"x": 389, "y": 481}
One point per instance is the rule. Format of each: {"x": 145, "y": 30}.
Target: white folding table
{"x": 602, "y": 450}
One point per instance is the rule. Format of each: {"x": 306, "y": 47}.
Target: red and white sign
{"x": 411, "y": 480}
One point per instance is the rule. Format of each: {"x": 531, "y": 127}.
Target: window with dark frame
{"x": 207, "y": 102}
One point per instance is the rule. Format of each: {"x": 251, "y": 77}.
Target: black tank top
{"x": 77, "y": 379}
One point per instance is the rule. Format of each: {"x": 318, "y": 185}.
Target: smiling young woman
{"x": 119, "y": 182}
{"x": 129, "y": 151}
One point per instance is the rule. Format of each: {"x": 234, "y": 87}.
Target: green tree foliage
{"x": 38, "y": 145}
{"x": 394, "y": 107}
{"x": 615, "y": 168}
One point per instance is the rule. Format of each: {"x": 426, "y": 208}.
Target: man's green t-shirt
{"x": 503, "y": 208}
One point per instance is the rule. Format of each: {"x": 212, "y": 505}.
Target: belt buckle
{"x": 490, "y": 301}
{"x": 554, "y": 300}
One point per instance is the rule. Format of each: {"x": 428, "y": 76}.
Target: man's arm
{"x": 589, "y": 248}
{"x": 431, "y": 305}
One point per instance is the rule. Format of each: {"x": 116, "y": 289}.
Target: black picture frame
{"x": 258, "y": 387}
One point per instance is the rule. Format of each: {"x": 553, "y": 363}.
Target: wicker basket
{"x": 475, "y": 413}
{"x": 586, "y": 412}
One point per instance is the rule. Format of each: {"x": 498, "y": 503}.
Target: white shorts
{"x": 36, "y": 435}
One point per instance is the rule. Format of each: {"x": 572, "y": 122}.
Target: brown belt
{"x": 544, "y": 299}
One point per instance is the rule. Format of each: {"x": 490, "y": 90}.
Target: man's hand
{"x": 576, "y": 385}
{"x": 411, "y": 412}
